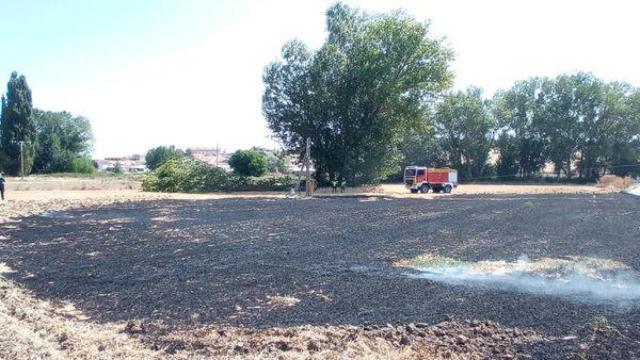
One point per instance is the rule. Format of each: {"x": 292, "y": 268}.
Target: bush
{"x": 193, "y": 176}
{"x": 159, "y": 155}
{"x": 82, "y": 165}
{"x": 270, "y": 183}
{"x": 249, "y": 163}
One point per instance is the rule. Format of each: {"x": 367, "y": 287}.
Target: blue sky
{"x": 188, "y": 72}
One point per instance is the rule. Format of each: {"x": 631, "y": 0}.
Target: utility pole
{"x": 307, "y": 158}
{"x": 22, "y": 159}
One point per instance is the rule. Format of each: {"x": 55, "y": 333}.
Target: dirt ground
{"x": 126, "y": 274}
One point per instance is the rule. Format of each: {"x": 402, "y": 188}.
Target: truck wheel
{"x": 414, "y": 191}
{"x": 447, "y": 189}
{"x": 424, "y": 188}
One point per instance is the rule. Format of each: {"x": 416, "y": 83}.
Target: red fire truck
{"x": 420, "y": 178}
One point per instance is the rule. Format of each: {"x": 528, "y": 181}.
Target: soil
{"x": 240, "y": 277}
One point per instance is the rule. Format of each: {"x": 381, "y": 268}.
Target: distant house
{"x": 129, "y": 164}
{"x": 212, "y": 156}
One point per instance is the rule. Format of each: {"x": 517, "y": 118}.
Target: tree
{"x": 609, "y": 131}
{"x": 159, "y": 155}
{"x": 62, "y": 139}
{"x": 275, "y": 159}
{"x": 521, "y": 139}
{"x": 250, "y": 162}
{"x": 356, "y": 96}
{"x": 422, "y": 148}
{"x": 17, "y": 126}
{"x": 465, "y": 129}
{"x": 508, "y": 146}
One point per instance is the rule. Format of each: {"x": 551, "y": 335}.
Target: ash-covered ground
{"x": 262, "y": 263}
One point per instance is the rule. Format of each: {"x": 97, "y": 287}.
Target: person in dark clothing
{"x": 2, "y": 185}
{"x": 334, "y": 186}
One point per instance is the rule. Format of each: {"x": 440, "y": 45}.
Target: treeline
{"x": 582, "y": 125}
{"x": 38, "y": 141}
{"x": 375, "y": 97}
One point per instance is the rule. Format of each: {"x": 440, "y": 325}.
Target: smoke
{"x": 582, "y": 279}
{"x": 634, "y": 190}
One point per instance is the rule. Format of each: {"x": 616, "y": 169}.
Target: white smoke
{"x": 576, "y": 278}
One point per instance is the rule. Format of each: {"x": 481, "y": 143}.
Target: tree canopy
{"x": 159, "y": 155}
{"x": 62, "y": 141}
{"x": 465, "y": 128}
{"x": 574, "y": 121}
{"x": 370, "y": 82}
{"x": 17, "y": 125}
{"x": 250, "y": 162}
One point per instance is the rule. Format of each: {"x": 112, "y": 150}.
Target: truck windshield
{"x": 410, "y": 173}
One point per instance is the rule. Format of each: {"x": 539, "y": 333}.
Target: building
{"x": 212, "y": 156}
{"x": 129, "y": 164}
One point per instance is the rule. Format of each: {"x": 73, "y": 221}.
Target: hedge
{"x": 192, "y": 176}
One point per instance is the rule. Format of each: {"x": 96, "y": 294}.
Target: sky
{"x": 188, "y": 72}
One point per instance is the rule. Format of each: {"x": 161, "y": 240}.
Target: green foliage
{"x": 193, "y": 176}
{"x": 250, "y": 162}
{"x": 507, "y": 166}
{"x": 116, "y": 169}
{"x": 358, "y": 94}
{"x": 159, "y": 155}
{"x": 17, "y": 125}
{"x": 465, "y": 129}
{"x": 276, "y": 160}
{"x": 571, "y": 120}
{"x": 522, "y": 140}
{"x": 61, "y": 140}
{"x": 82, "y": 165}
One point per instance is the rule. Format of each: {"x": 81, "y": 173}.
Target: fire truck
{"x": 423, "y": 179}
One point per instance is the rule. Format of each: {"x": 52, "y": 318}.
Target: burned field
{"x": 262, "y": 263}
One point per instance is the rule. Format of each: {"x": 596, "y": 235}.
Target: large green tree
{"x": 252, "y": 162}
{"x": 610, "y": 131}
{"x": 17, "y": 126}
{"x": 465, "y": 129}
{"x": 577, "y": 121}
{"x": 521, "y": 142}
{"x": 61, "y": 139}
{"x": 161, "y": 154}
{"x": 355, "y": 97}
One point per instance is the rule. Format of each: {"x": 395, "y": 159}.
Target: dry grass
{"x": 615, "y": 183}
{"x": 277, "y": 301}
{"x": 47, "y": 183}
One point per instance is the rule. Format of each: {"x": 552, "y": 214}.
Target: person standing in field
{"x": 2, "y": 185}
{"x": 334, "y": 186}
{"x": 343, "y": 185}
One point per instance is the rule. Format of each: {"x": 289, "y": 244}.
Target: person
{"x": 343, "y": 185}
{"x": 2, "y": 185}
{"x": 334, "y": 186}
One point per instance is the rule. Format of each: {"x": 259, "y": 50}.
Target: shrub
{"x": 193, "y": 176}
{"x": 249, "y": 163}
{"x": 270, "y": 183}
{"x": 82, "y": 165}
{"x": 117, "y": 169}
